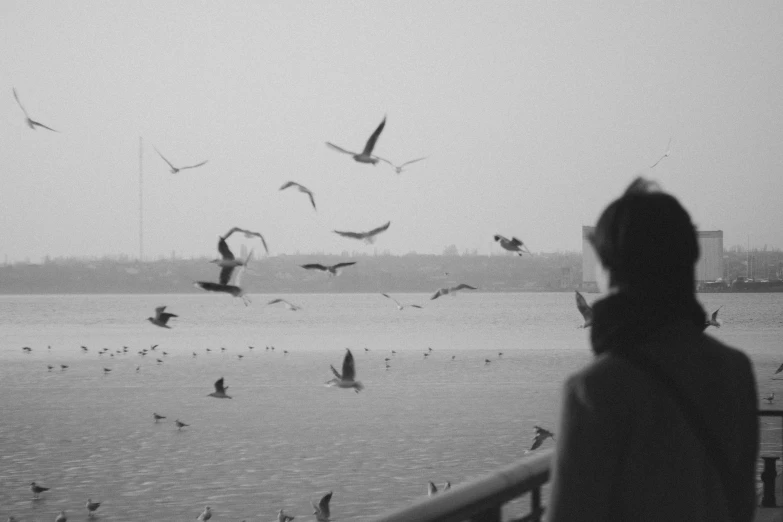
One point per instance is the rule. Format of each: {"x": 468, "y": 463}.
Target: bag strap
{"x": 694, "y": 419}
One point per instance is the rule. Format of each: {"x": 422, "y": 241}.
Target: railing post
{"x": 490, "y": 515}
{"x": 768, "y": 477}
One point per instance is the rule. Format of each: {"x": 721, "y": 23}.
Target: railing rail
{"x": 481, "y": 500}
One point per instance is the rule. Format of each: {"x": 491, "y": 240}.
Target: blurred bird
{"x": 30, "y": 122}
{"x": 452, "y": 290}
{"x": 486, "y": 362}
{"x": 206, "y": 515}
{"x": 302, "y": 189}
{"x": 161, "y": 317}
{"x": 61, "y": 517}
{"x": 106, "y": 370}
{"x": 282, "y": 517}
{"x": 333, "y": 270}
{"x": 541, "y": 436}
{"x": 321, "y": 510}
{"x": 348, "y": 377}
{"x": 92, "y": 506}
{"x": 780, "y": 369}
{"x": 180, "y": 424}
{"x": 36, "y": 489}
{"x": 431, "y": 488}
{"x": 770, "y": 398}
{"x": 584, "y": 309}
{"x": 713, "y": 320}
{"x": 248, "y": 234}
{"x": 366, "y": 156}
{"x": 512, "y": 245}
{"x": 368, "y": 237}
{"x": 220, "y": 390}
{"x": 158, "y": 417}
{"x": 50, "y": 367}
{"x": 399, "y": 306}
{"x": 174, "y": 169}
{"x": 63, "y": 367}
{"x": 399, "y": 168}
{"x": 287, "y": 304}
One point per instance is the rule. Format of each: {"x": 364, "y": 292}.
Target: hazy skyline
{"x": 533, "y": 117}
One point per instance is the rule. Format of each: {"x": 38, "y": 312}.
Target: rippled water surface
{"x": 284, "y": 439}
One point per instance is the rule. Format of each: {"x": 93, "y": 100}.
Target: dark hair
{"x": 648, "y": 243}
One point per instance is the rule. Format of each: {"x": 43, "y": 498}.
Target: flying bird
{"x": 180, "y": 424}
{"x": 161, "y": 317}
{"x": 780, "y": 369}
{"x": 368, "y": 237}
{"x": 92, "y": 506}
{"x": 220, "y": 390}
{"x": 333, "y": 270}
{"x": 366, "y": 155}
{"x": 452, "y": 290}
{"x": 713, "y": 320}
{"x": 431, "y": 488}
{"x": 174, "y": 169}
{"x": 158, "y": 417}
{"x": 282, "y": 517}
{"x": 206, "y": 515}
{"x": 36, "y": 489}
{"x": 399, "y": 306}
{"x": 399, "y": 168}
{"x": 321, "y": 510}
{"x": 665, "y": 154}
{"x": 348, "y": 377}
{"x": 287, "y": 304}
{"x": 541, "y": 435}
{"x": 30, "y": 122}
{"x": 302, "y": 189}
{"x": 584, "y": 309}
{"x": 228, "y": 263}
{"x": 248, "y": 234}
{"x": 512, "y": 245}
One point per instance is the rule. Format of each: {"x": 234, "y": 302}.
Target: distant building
{"x": 709, "y": 267}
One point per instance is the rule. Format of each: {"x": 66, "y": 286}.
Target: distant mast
{"x": 141, "y": 202}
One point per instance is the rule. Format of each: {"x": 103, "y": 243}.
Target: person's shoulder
{"x": 718, "y": 350}
{"x": 601, "y": 378}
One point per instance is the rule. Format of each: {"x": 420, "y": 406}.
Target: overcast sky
{"x": 533, "y": 115}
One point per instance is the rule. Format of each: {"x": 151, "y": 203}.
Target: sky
{"x": 533, "y": 116}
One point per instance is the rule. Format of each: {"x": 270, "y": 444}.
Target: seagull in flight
{"x": 282, "y": 517}
{"x": 512, "y": 245}
{"x": 30, "y": 122}
{"x": 287, "y": 304}
{"x": 665, "y": 154}
{"x": 228, "y": 263}
{"x": 452, "y": 290}
{"x": 220, "y": 390}
{"x": 368, "y": 237}
{"x": 174, "y": 169}
{"x": 206, "y": 515}
{"x": 541, "y": 435}
{"x": 713, "y": 320}
{"x": 248, "y": 234}
{"x": 321, "y": 510}
{"x": 399, "y": 168}
{"x": 366, "y": 155}
{"x": 302, "y": 189}
{"x": 584, "y": 309}
{"x": 332, "y": 270}
{"x": 92, "y": 506}
{"x": 36, "y": 489}
{"x": 348, "y": 377}
{"x": 161, "y": 317}
{"x": 780, "y": 369}
{"x": 399, "y": 306}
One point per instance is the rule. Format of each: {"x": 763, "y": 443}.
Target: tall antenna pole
{"x": 141, "y": 202}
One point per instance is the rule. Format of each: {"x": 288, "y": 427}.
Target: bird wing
{"x": 390, "y": 297}
{"x": 354, "y": 235}
{"x": 780, "y": 369}
{"x": 159, "y": 311}
{"x": 225, "y": 274}
{"x": 349, "y": 370}
{"x": 338, "y": 149}
{"x": 219, "y": 386}
{"x": 515, "y": 241}
{"x": 164, "y": 157}
{"x": 275, "y": 301}
{"x": 340, "y": 265}
{"x": 194, "y": 166}
{"x": 335, "y": 372}
{"x": 20, "y": 104}
{"x": 378, "y": 230}
{"x": 583, "y": 307}
{"x": 314, "y": 266}
{"x": 38, "y": 124}
{"x": 715, "y": 314}
{"x": 323, "y": 505}
{"x": 439, "y": 293}
{"x": 537, "y": 441}
{"x": 373, "y": 138}
{"x": 463, "y": 286}
{"x": 312, "y": 199}
{"x": 412, "y": 161}
{"x": 415, "y": 306}
{"x": 288, "y": 184}
{"x": 225, "y": 252}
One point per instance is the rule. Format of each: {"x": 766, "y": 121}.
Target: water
{"x": 284, "y": 439}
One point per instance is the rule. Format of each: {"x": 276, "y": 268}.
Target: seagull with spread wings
{"x": 174, "y": 169}
{"x": 332, "y": 270}
{"x": 321, "y": 510}
{"x": 161, "y": 318}
{"x": 541, "y": 435}
{"x": 512, "y": 245}
{"x": 584, "y": 309}
{"x": 248, "y": 234}
{"x": 399, "y": 305}
{"x": 30, "y": 122}
{"x": 302, "y": 189}
{"x": 228, "y": 263}
{"x": 366, "y": 156}
{"x": 287, "y": 304}
{"x": 665, "y": 154}
{"x": 399, "y": 168}
{"x": 368, "y": 237}
{"x": 220, "y": 390}
{"x": 713, "y": 320}
{"x": 452, "y": 290}
{"x": 348, "y": 377}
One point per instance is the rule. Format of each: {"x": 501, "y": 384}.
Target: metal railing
{"x": 769, "y": 473}
{"x": 482, "y": 500}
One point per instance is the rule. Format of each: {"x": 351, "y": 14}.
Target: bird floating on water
{"x": 366, "y": 156}
{"x": 713, "y": 319}
{"x": 174, "y": 169}
{"x": 452, "y": 290}
{"x": 541, "y": 435}
{"x": 37, "y": 490}
{"x": 348, "y": 377}
{"x": 332, "y": 270}
{"x": 512, "y": 245}
{"x": 399, "y": 305}
{"x": 161, "y": 318}
{"x": 63, "y": 367}
{"x": 302, "y": 189}
{"x": 399, "y": 168}
{"x": 180, "y": 424}
{"x": 282, "y": 517}
{"x": 50, "y": 367}
{"x": 287, "y": 304}
{"x": 158, "y": 417}
{"x": 321, "y": 510}
{"x": 206, "y": 515}
{"x": 584, "y": 309}
{"x": 432, "y": 489}
{"x": 368, "y": 237}
{"x": 220, "y": 390}
{"x": 92, "y": 506}
{"x": 30, "y": 122}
